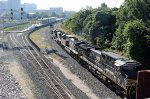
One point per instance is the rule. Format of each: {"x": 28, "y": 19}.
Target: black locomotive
{"x": 109, "y": 66}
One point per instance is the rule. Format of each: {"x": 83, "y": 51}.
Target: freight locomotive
{"x": 114, "y": 69}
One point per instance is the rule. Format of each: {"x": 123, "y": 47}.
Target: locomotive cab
{"x": 128, "y": 68}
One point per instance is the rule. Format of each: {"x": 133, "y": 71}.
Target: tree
{"x": 137, "y": 45}
{"x": 138, "y": 9}
{"x": 103, "y": 5}
{"x": 94, "y": 23}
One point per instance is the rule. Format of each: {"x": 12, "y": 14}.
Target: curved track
{"x": 21, "y": 42}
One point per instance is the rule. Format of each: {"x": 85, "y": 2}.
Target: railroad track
{"x": 40, "y": 62}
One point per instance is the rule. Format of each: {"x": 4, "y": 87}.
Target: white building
{"x": 29, "y": 7}
{"x": 57, "y": 10}
{"x": 3, "y": 6}
{"x": 14, "y": 4}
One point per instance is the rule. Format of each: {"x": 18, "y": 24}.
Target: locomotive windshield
{"x": 130, "y": 68}
{"x": 133, "y": 66}
{"x": 130, "y": 71}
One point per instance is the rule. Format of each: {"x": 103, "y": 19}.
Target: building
{"x": 29, "y": 7}
{"x": 57, "y": 10}
{"x": 14, "y": 4}
{"x": 14, "y": 8}
{"x": 3, "y": 6}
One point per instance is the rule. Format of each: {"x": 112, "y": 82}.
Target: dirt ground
{"x": 23, "y": 79}
{"x": 74, "y": 79}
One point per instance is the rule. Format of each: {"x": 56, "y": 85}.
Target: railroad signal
{"x": 21, "y": 13}
{"x": 11, "y": 13}
{"x": 21, "y": 9}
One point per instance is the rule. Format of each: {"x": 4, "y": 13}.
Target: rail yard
{"x": 46, "y": 79}
{"x": 47, "y": 70}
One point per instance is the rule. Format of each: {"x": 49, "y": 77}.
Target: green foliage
{"x": 133, "y": 29}
{"x": 137, "y": 45}
{"x": 125, "y": 29}
{"x": 119, "y": 39}
{"x": 93, "y": 23}
{"x": 138, "y": 9}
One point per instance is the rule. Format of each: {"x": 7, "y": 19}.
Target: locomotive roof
{"x": 85, "y": 46}
{"x": 70, "y": 36}
{"x": 56, "y": 30}
{"x": 96, "y": 51}
{"x": 59, "y": 32}
{"x": 74, "y": 39}
{"x": 113, "y": 55}
{"x": 77, "y": 42}
{"x": 64, "y": 34}
{"x": 126, "y": 62}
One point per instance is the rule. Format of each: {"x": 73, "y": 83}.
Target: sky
{"x": 73, "y": 5}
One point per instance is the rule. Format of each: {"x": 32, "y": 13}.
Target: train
{"x": 47, "y": 20}
{"x": 43, "y": 23}
{"x": 114, "y": 69}
{"x": 50, "y": 20}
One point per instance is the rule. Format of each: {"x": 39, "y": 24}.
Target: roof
{"x": 145, "y": 71}
{"x": 96, "y": 51}
{"x": 77, "y": 43}
{"x": 70, "y": 36}
{"x": 73, "y": 39}
{"x": 58, "y": 32}
{"x": 85, "y": 46}
{"x": 119, "y": 63}
{"x": 113, "y": 55}
{"x": 126, "y": 62}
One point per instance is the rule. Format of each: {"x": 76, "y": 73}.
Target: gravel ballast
{"x": 93, "y": 83}
{"x": 9, "y": 86}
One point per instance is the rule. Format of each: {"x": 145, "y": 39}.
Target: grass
{"x": 38, "y": 38}
{"x": 21, "y": 26}
{"x": 18, "y": 27}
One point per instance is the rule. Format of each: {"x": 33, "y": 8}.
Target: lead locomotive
{"x": 114, "y": 69}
